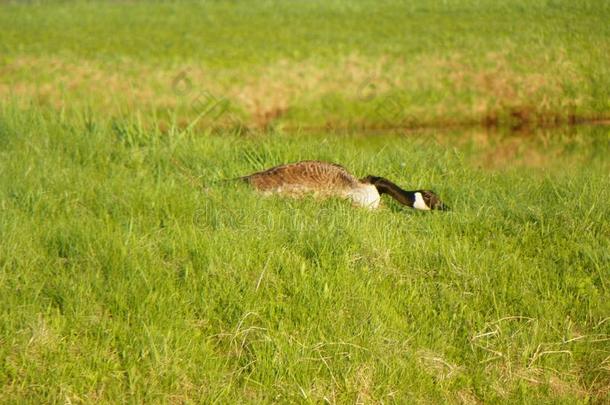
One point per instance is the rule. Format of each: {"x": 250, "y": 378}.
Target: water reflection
{"x": 542, "y": 148}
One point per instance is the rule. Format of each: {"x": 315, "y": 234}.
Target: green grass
{"x": 130, "y": 273}
{"x": 124, "y": 279}
{"x": 316, "y": 63}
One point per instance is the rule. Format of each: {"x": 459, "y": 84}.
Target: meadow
{"x": 314, "y": 63}
{"x": 130, "y": 271}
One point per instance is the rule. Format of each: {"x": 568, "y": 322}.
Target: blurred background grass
{"x": 314, "y": 63}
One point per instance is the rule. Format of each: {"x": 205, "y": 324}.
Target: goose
{"x": 324, "y": 179}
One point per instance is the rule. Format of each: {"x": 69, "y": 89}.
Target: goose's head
{"x": 428, "y": 200}
{"x": 419, "y": 199}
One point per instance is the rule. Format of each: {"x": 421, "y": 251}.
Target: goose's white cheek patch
{"x": 419, "y": 203}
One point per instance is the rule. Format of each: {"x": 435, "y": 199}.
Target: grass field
{"x": 130, "y": 273}
{"x": 314, "y": 63}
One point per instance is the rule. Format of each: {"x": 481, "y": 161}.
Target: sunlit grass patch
{"x": 129, "y": 270}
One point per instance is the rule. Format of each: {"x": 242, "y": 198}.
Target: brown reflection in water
{"x": 539, "y": 149}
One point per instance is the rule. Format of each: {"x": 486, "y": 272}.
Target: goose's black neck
{"x": 385, "y": 186}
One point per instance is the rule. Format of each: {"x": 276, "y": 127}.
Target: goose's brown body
{"x": 321, "y": 179}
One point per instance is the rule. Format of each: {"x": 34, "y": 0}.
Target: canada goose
{"x": 324, "y": 179}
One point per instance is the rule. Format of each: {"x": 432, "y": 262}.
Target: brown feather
{"x": 309, "y": 176}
